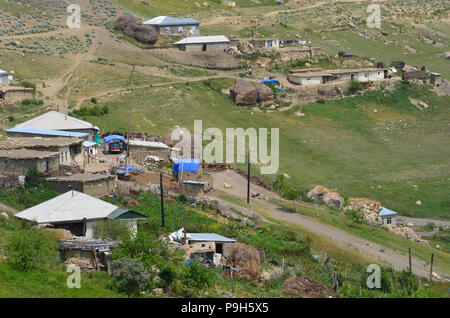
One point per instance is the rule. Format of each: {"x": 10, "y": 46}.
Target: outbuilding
{"x": 140, "y": 149}
{"x": 97, "y": 185}
{"x": 170, "y": 25}
{"x": 203, "y": 43}
{"x": 5, "y": 78}
{"x": 17, "y": 162}
{"x": 79, "y": 213}
{"x": 388, "y": 217}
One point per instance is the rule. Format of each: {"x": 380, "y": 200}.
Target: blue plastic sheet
{"x": 191, "y": 165}
{"x": 110, "y": 138}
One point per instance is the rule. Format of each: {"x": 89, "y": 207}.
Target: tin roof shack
{"x": 207, "y": 248}
{"x": 88, "y": 255}
{"x": 53, "y": 120}
{"x": 388, "y": 217}
{"x": 79, "y": 213}
{"x": 193, "y": 188}
{"x": 69, "y": 149}
{"x": 32, "y": 132}
{"x": 97, "y": 185}
{"x": 170, "y": 25}
{"x": 140, "y": 149}
{"x": 203, "y": 43}
{"x": 17, "y": 162}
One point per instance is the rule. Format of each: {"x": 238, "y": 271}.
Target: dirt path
{"x": 375, "y": 251}
{"x": 4, "y": 207}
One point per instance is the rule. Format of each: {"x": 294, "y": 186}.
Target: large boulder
{"x": 131, "y": 26}
{"x": 264, "y": 94}
{"x": 245, "y": 258}
{"x": 243, "y": 93}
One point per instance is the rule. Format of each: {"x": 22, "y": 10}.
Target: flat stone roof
{"x": 27, "y": 154}
{"x": 38, "y": 142}
{"x": 82, "y": 177}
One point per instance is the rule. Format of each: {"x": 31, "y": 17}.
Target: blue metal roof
{"x": 48, "y": 132}
{"x": 386, "y": 212}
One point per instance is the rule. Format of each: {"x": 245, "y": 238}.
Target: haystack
{"x": 370, "y": 209}
{"x": 245, "y": 258}
{"x": 264, "y": 94}
{"x": 130, "y": 25}
{"x": 329, "y": 197}
{"x": 243, "y": 93}
{"x": 306, "y": 287}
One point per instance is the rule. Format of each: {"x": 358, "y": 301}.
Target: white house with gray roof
{"x": 79, "y": 213}
{"x": 203, "y": 43}
{"x": 170, "y": 25}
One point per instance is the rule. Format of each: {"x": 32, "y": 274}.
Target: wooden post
{"x": 248, "y": 177}
{"x": 410, "y": 264}
{"x": 431, "y": 267}
{"x": 162, "y": 198}
{"x": 185, "y": 217}
{"x": 129, "y": 123}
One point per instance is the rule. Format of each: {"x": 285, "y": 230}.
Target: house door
{"x": 353, "y": 76}
{"x": 204, "y": 47}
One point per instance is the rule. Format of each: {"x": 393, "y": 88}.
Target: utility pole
{"x": 431, "y": 267}
{"x": 410, "y": 264}
{"x": 129, "y": 122}
{"x": 248, "y": 177}
{"x": 162, "y": 198}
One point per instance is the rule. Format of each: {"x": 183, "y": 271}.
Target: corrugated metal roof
{"x": 70, "y": 206}
{"x": 169, "y": 21}
{"x": 385, "y": 212}
{"x": 2, "y": 72}
{"x": 144, "y": 143}
{"x": 203, "y": 39}
{"x": 56, "y": 121}
{"x": 60, "y": 133}
{"x": 209, "y": 237}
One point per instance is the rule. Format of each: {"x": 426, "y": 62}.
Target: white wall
{"x": 311, "y": 80}
{"x": 369, "y": 76}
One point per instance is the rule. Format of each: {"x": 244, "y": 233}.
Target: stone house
{"x": 17, "y": 162}
{"x": 97, "y": 185}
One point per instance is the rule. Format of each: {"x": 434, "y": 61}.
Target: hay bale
{"x": 264, "y": 94}
{"x": 306, "y": 287}
{"x": 130, "y": 25}
{"x": 244, "y": 257}
{"x": 243, "y": 93}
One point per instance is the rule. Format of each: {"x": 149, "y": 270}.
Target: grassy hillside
{"x": 393, "y": 155}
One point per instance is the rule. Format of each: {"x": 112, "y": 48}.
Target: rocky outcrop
{"x": 131, "y": 26}
{"x": 408, "y": 233}
{"x": 370, "y": 209}
{"x": 245, "y": 258}
{"x": 243, "y": 93}
{"x": 329, "y": 197}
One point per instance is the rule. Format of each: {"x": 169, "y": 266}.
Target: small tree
{"x": 167, "y": 275}
{"x": 112, "y": 230}
{"x": 290, "y": 194}
{"x": 33, "y": 177}
{"x": 132, "y": 277}
{"x": 355, "y": 86}
{"x": 29, "y": 248}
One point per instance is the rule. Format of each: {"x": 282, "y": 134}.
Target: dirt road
{"x": 377, "y": 252}
{"x": 4, "y": 207}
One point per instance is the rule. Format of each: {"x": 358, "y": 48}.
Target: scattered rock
{"x": 4, "y": 215}
{"x": 408, "y": 233}
{"x": 329, "y": 197}
{"x": 370, "y": 209}
{"x": 418, "y": 203}
{"x": 226, "y": 185}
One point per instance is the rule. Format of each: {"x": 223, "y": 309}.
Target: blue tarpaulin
{"x": 185, "y": 165}
{"x": 110, "y": 138}
{"x": 128, "y": 169}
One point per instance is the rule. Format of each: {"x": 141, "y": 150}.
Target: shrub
{"x": 131, "y": 276}
{"x": 11, "y": 119}
{"x": 33, "y": 177}
{"x": 197, "y": 278}
{"x": 167, "y": 275}
{"x": 355, "y": 86}
{"x": 94, "y": 100}
{"x": 112, "y": 230}
{"x": 29, "y": 248}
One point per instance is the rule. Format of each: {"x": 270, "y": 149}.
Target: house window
{"x": 193, "y": 28}
{"x": 167, "y": 30}
{"x": 388, "y": 221}
{"x": 180, "y": 29}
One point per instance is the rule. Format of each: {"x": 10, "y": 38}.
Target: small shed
{"x": 203, "y": 43}
{"x": 193, "y": 188}
{"x": 171, "y": 25}
{"x": 5, "y": 78}
{"x": 97, "y": 185}
{"x": 17, "y": 162}
{"x": 388, "y": 217}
